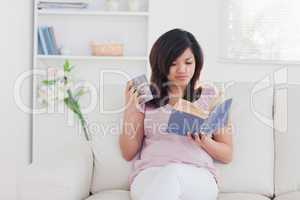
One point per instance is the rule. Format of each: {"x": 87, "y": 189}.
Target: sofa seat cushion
{"x": 241, "y": 196}
{"x": 289, "y": 196}
{"x": 125, "y": 195}
{"x": 111, "y": 195}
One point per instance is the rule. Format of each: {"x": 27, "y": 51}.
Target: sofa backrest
{"x": 287, "y": 138}
{"x": 252, "y": 166}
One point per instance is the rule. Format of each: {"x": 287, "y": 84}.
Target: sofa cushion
{"x": 241, "y": 196}
{"x": 111, "y": 170}
{"x": 287, "y": 139}
{"x": 288, "y": 196}
{"x": 125, "y": 195}
{"x": 66, "y": 175}
{"x": 251, "y": 170}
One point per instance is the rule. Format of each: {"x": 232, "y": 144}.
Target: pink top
{"x": 160, "y": 148}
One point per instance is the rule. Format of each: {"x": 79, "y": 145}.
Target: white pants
{"x": 174, "y": 181}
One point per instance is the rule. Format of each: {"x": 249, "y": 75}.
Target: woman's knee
{"x": 163, "y": 181}
{"x": 142, "y": 181}
{"x": 199, "y": 183}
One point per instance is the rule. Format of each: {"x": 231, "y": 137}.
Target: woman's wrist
{"x": 206, "y": 141}
{"x": 130, "y": 116}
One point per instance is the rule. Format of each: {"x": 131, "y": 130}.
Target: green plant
{"x": 59, "y": 87}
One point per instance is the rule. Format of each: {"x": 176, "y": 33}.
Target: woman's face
{"x": 182, "y": 69}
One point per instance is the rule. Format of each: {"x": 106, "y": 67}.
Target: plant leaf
{"x": 71, "y": 105}
{"x": 67, "y": 66}
{"x": 49, "y": 82}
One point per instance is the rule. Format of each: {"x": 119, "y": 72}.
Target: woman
{"x": 168, "y": 166}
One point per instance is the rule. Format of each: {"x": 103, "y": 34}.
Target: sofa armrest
{"x": 66, "y": 176}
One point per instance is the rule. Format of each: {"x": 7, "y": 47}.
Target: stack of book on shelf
{"x": 63, "y": 4}
{"x": 46, "y": 41}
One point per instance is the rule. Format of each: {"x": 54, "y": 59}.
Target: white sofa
{"x": 265, "y": 164}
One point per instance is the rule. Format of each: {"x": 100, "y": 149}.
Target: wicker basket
{"x": 107, "y": 49}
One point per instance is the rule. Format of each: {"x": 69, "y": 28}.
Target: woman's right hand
{"x": 132, "y": 99}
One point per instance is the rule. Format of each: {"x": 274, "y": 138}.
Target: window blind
{"x": 263, "y": 30}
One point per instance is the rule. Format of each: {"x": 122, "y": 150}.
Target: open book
{"x": 181, "y": 123}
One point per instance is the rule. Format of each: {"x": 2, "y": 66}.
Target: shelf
{"x": 91, "y": 12}
{"x": 74, "y": 29}
{"x": 124, "y": 58}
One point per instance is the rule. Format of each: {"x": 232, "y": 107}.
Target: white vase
{"x": 65, "y": 51}
{"x": 112, "y": 5}
{"x": 134, "y": 5}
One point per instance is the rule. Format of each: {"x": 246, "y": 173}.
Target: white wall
{"x": 15, "y": 37}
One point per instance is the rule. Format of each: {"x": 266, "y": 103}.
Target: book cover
{"x": 40, "y": 48}
{"x": 60, "y": 5}
{"x": 181, "y": 123}
{"x": 53, "y": 41}
{"x": 47, "y": 37}
{"x": 43, "y": 41}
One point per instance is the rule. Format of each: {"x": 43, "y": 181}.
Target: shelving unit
{"x": 74, "y": 30}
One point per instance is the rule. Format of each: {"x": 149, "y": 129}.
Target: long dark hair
{"x": 166, "y": 50}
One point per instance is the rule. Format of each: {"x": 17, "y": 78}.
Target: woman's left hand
{"x": 199, "y": 138}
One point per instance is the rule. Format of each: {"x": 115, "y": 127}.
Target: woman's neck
{"x": 175, "y": 94}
